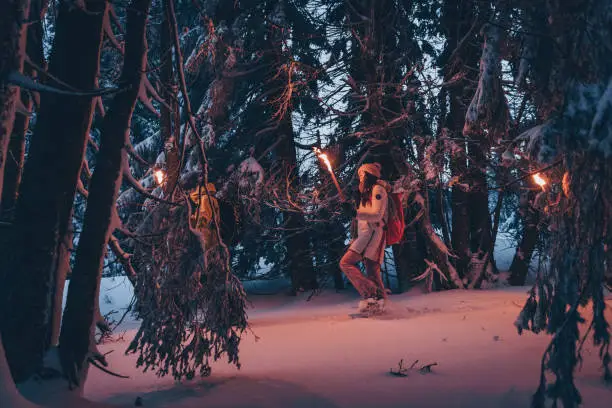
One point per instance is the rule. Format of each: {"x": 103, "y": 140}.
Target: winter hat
{"x": 372, "y": 168}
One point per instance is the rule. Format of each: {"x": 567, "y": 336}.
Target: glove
{"x": 348, "y": 209}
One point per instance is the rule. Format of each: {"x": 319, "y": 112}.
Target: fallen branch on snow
{"x": 402, "y": 371}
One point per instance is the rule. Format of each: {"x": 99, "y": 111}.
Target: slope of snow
{"x": 313, "y": 354}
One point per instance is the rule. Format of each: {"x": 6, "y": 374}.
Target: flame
{"x": 323, "y": 157}
{"x": 539, "y": 180}
{"x": 565, "y": 184}
{"x": 159, "y": 176}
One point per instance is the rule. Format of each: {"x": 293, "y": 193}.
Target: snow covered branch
{"x": 489, "y": 108}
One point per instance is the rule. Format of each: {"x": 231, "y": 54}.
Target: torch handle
{"x": 342, "y": 197}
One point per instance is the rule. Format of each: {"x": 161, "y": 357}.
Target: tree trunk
{"x": 460, "y": 219}
{"x": 62, "y": 269}
{"x": 519, "y": 268}
{"x": 9, "y": 395}
{"x": 460, "y": 232}
{"x": 336, "y": 273}
{"x": 48, "y": 187}
{"x": 13, "y": 14}
{"x": 438, "y": 250}
{"x": 168, "y": 93}
{"x": 14, "y": 160}
{"x": 334, "y": 250}
{"x": 16, "y": 149}
{"x": 480, "y": 218}
{"x": 461, "y": 58}
{"x": 331, "y": 235}
{"x": 297, "y": 242}
{"x": 481, "y": 226}
{"x": 408, "y": 258}
{"x": 78, "y": 327}
{"x": 299, "y": 259}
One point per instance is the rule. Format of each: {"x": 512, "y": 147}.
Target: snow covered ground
{"x": 312, "y": 354}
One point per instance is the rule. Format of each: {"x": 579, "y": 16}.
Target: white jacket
{"x": 371, "y": 219}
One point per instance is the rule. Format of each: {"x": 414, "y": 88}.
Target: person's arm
{"x": 375, "y": 212}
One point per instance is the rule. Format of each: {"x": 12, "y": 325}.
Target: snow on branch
{"x": 99, "y": 105}
{"x": 123, "y": 257}
{"x": 534, "y": 138}
{"x": 146, "y": 95}
{"x": 600, "y": 133}
{"x": 134, "y": 154}
{"x": 583, "y": 124}
{"x": 148, "y": 148}
{"x": 440, "y": 252}
{"x": 489, "y": 107}
{"x": 205, "y": 47}
{"x": 113, "y": 15}
{"x": 18, "y": 79}
{"x": 108, "y": 30}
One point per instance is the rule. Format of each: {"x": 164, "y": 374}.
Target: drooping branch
{"x": 211, "y": 299}
{"x": 18, "y": 79}
{"x": 489, "y": 107}
{"x": 440, "y": 252}
{"x": 190, "y": 118}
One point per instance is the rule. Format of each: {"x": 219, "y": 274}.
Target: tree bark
{"x": 438, "y": 250}
{"x": 481, "y": 226}
{"x": 408, "y": 258}
{"x": 78, "y": 327}
{"x": 15, "y": 158}
{"x": 9, "y": 395}
{"x": 297, "y": 242}
{"x": 16, "y": 149}
{"x": 170, "y": 136}
{"x": 299, "y": 259}
{"x": 62, "y": 269}
{"x": 48, "y": 187}
{"x": 519, "y": 268}
{"x": 13, "y": 14}
{"x": 331, "y": 235}
{"x": 461, "y": 56}
{"x": 460, "y": 232}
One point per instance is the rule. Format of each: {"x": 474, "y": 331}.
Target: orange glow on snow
{"x": 539, "y": 180}
{"x": 159, "y": 176}
{"x": 323, "y": 157}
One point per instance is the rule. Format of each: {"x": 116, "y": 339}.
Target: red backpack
{"x": 395, "y": 223}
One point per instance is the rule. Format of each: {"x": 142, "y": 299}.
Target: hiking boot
{"x": 366, "y": 304}
{"x": 380, "y": 304}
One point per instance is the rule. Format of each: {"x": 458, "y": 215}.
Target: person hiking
{"x": 369, "y": 246}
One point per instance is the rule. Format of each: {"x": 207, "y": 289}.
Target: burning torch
{"x": 325, "y": 159}
{"x": 160, "y": 176}
{"x": 539, "y": 180}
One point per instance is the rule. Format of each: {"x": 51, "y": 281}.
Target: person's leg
{"x": 363, "y": 285}
{"x": 374, "y": 275}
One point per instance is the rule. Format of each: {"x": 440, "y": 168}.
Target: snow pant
{"x": 368, "y": 287}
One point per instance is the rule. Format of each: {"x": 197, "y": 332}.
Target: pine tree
{"x": 259, "y": 89}
{"x": 576, "y": 137}
{"x": 48, "y": 187}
